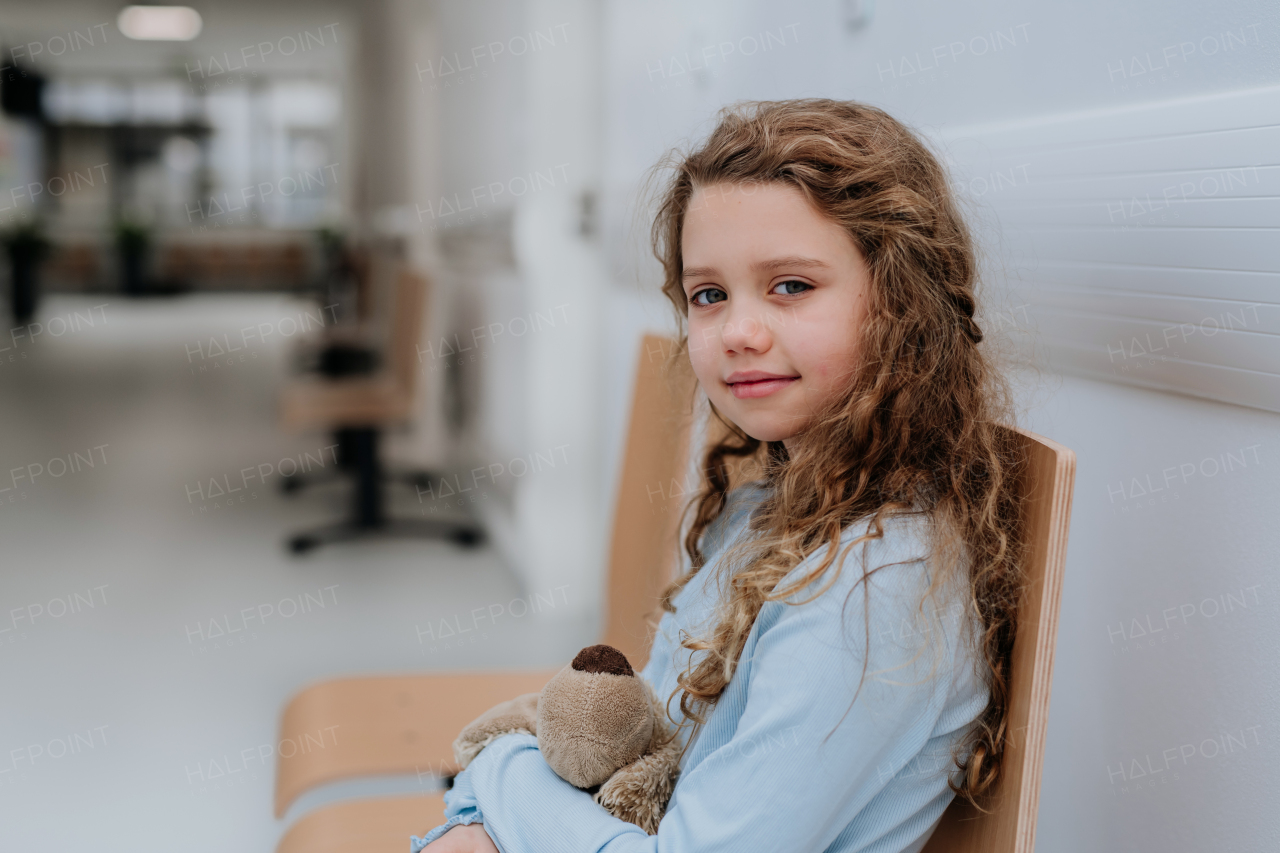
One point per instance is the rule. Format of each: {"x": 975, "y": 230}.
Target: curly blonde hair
{"x": 918, "y": 428}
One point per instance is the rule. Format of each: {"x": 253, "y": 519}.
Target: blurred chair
{"x": 349, "y": 347}
{"x": 354, "y": 285}
{"x": 1008, "y": 824}
{"x": 357, "y": 408}
{"x": 406, "y": 724}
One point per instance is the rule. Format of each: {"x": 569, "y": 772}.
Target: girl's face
{"x": 777, "y": 295}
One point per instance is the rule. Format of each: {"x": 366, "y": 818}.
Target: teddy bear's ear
{"x": 602, "y": 658}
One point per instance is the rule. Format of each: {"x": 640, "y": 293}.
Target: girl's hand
{"x": 463, "y": 839}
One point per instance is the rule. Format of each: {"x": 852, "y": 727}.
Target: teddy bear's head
{"x": 594, "y": 717}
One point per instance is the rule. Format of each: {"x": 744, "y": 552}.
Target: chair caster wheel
{"x": 468, "y": 538}
{"x": 303, "y": 544}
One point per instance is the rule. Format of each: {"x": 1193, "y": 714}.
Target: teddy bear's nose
{"x": 602, "y": 658}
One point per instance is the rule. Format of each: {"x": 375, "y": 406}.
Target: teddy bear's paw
{"x": 514, "y": 715}
{"x": 638, "y": 793}
{"x": 464, "y": 752}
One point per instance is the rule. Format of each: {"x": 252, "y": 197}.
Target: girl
{"x": 840, "y": 646}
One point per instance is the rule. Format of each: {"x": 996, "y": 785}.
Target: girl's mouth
{"x": 754, "y": 383}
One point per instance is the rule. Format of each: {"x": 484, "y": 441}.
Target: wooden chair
{"x": 380, "y": 825}
{"x": 357, "y": 408}
{"x": 406, "y": 724}
{"x": 405, "y": 705}
{"x": 1009, "y": 825}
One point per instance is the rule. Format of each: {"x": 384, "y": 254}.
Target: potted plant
{"x": 27, "y": 246}
{"x": 133, "y": 239}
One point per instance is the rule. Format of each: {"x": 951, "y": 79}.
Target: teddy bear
{"x": 600, "y": 727}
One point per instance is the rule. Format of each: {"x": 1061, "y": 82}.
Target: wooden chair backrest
{"x": 406, "y": 326}
{"x": 1009, "y": 825}
{"x": 651, "y": 493}
{"x": 404, "y": 724}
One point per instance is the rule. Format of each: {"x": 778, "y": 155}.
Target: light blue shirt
{"x": 788, "y": 760}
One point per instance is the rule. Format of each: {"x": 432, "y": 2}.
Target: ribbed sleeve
{"x": 834, "y": 734}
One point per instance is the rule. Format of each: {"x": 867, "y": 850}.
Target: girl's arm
{"x": 463, "y": 839}
{"x": 776, "y": 781}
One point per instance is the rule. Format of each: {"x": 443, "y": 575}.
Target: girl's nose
{"x": 746, "y": 330}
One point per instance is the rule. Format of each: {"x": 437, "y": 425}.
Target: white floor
{"x": 149, "y": 635}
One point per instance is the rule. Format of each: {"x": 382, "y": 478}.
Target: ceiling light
{"x": 159, "y": 23}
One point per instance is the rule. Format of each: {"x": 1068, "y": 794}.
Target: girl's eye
{"x": 791, "y": 288}
{"x": 712, "y": 294}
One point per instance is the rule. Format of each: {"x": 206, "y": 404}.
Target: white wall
{"x": 516, "y": 89}
{"x": 1155, "y": 650}
{"x": 1207, "y": 540}
{"x": 1200, "y": 542}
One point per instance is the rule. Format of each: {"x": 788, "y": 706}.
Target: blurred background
{"x": 212, "y": 214}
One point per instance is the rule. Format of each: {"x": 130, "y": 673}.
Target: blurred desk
{"x": 220, "y": 266}
{"x": 188, "y": 265}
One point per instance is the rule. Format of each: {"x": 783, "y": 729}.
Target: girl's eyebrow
{"x": 771, "y": 265}
{"x": 793, "y": 261}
